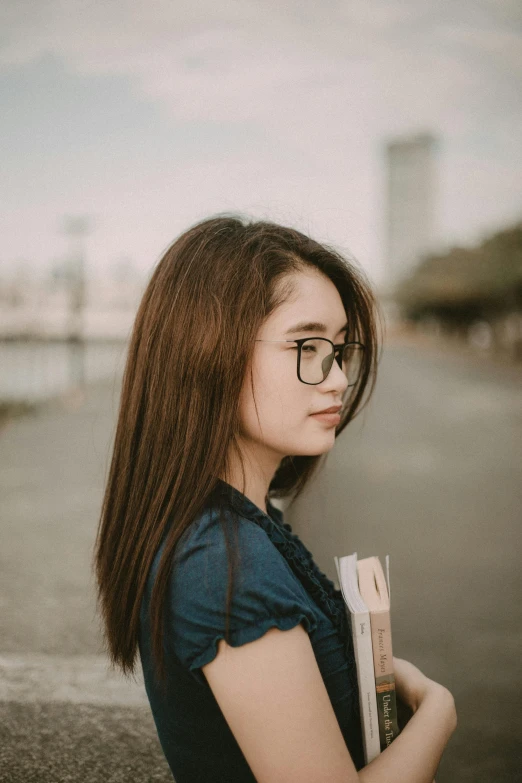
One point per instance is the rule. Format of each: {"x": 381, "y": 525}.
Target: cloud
{"x": 323, "y": 84}
{"x": 272, "y": 61}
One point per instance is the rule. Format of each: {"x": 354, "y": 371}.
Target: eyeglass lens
{"x": 317, "y": 359}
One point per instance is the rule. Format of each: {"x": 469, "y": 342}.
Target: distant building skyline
{"x": 411, "y": 193}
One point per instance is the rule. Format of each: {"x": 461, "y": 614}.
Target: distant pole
{"x": 76, "y": 228}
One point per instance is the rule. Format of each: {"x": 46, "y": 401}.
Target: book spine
{"x": 384, "y": 677}
{"x": 362, "y": 643}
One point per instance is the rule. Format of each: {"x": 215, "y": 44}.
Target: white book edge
{"x": 363, "y": 649}
{"x": 387, "y": 561}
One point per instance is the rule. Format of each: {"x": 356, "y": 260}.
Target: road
{"x": 64, "y": 716}
{"x": 429, "y": 474}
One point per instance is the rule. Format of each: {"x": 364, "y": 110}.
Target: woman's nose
{"x": 336, "y": 378}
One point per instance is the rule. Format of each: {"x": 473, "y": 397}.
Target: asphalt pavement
{"x": 64, "y": 715}
{"x": 431, "y": 474}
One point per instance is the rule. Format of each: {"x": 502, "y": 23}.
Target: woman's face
{"x": 285, "y": 405}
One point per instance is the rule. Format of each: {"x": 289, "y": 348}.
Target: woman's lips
{"x": 328, "y": 418}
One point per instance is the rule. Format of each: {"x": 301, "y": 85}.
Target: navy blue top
{"x": 277, "y": 584}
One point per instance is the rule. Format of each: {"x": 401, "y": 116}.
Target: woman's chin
{"x": 318, "y": 446}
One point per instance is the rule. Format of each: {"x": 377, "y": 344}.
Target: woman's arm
{"x": 274, "y": 699}
{"x": 413, "y": 756}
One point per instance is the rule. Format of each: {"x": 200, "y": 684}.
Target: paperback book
{"x": 366, "y": 593}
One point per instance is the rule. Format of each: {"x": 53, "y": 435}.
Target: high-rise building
{"x": 411, "y": 190}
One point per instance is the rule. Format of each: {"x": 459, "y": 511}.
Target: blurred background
{"x": 390, "y": 130}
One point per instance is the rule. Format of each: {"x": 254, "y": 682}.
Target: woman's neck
{"x": 258, "y": 475}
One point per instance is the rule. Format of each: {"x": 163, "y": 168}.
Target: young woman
{"x": 247, "y": 332}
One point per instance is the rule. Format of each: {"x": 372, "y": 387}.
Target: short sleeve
{"x": 266, "y": 592}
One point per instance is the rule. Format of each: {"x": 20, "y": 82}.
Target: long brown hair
{"x": 189, "y": 353}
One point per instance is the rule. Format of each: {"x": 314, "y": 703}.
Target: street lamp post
{"x": 76, "y": 229}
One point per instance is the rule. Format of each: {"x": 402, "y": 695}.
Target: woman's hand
{"x": 411, "y": 685}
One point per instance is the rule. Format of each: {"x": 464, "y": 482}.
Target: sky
{"x": 147, "y": 116}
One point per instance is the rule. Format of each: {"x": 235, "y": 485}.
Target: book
{"x": 362, "y": 644}
{"x": 366, "y": 594}
{"x": 376, "y": 595}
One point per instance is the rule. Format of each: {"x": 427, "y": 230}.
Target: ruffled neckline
{"x": 300, "y": 559}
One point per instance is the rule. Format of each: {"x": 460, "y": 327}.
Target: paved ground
{"x": 63, "y": 715}
{"x": 430, "y": 474}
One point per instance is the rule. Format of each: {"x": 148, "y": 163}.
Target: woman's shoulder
{"x": 266, "y": 592}
{"x": 215, "y": 529}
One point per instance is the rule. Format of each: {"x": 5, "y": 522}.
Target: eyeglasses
{"x": 315, "y": 356}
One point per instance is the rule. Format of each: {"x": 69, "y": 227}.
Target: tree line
{"x": 470, "y": 288}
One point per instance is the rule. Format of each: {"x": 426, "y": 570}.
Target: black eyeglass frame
{"x": 335, "y": 350}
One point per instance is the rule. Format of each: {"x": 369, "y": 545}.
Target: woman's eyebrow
{"x": 312, "y": 326}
